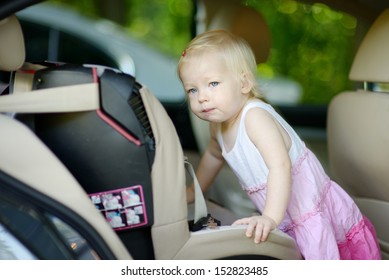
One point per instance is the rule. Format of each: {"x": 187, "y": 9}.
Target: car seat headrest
{"x": 371, "y": 63}
{"x": 243, "y": 21}
{"x": 12, "y": 50}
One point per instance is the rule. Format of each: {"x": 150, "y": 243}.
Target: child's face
{"x": 215, "y": 93}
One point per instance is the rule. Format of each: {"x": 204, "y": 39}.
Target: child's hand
{"x": 260, "y": 226}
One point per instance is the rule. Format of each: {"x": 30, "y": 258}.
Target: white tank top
{"x": 245, "y": 159}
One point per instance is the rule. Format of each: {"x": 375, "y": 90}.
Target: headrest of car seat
{"x": 243, "y": 21}
{"x": 371, "y": 63}
{"x": 12, "y": 51}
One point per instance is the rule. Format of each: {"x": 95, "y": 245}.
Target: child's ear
{"x": 246, "y": 83}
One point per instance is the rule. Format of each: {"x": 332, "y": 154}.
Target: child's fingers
{"x": 269, "y": 225}
{"x": 251, "y": 228}
{"x": 256, "y": 226}
{"x": 265, "y": 232}
{"x": 243, "y": 221}
{"x": 258, "y": 233}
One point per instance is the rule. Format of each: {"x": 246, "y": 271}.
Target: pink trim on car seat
{"x": 115, "y": 126}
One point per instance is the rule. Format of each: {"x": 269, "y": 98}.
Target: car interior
{"x": 40, "y": 93}
{"x": 61, "y": 169}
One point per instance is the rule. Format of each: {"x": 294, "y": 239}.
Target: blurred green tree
{"x": 164, "y": 24}
{"x": 311, "y": 44}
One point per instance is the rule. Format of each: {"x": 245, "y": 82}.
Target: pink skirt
{"x": 360, "y": 243}
{"x": 334, "y": 228}
{"x": 321, "y": 217}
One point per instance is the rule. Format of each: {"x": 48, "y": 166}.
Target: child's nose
{"x": 203, "y": 96}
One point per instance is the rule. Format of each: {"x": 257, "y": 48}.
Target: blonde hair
{"x": 237, "y": 53}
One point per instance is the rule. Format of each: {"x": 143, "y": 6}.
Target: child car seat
{"x": 109, "y": 151}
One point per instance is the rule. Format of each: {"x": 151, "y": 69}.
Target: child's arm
{"x": 210, "y": 164}
{"x": 273, "y": 143}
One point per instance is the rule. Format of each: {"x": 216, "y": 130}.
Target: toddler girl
{"x": 282, "y": 177}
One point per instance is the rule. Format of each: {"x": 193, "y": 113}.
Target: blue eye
{"x": 191, "y": 91}
{"x": 213, "y": 84}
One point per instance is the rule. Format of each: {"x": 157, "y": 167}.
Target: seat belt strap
{"x": 200, "y": 210}
{"x": 74, "y": 98}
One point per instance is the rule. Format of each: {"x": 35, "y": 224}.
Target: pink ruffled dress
{"x": 321, "y": 217}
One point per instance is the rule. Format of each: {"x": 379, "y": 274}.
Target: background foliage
{"x": 311, "y": 44}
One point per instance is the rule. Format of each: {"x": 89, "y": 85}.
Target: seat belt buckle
{"x": 204, "y": 222}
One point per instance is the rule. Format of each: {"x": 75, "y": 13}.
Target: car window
{"x": 36, "y": 38}
{"x": 11, "y": 248}
{"x": 46, "y": 43}
{"x": 74, "y": 240}
{"x": 28, "y": 230}
{"x": 73, "y": 49}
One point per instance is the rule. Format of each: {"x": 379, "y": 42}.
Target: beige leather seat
{"x": 170, "y": 232}
{"x": 11, "y": 35}
{"x": 358, "y": 131}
